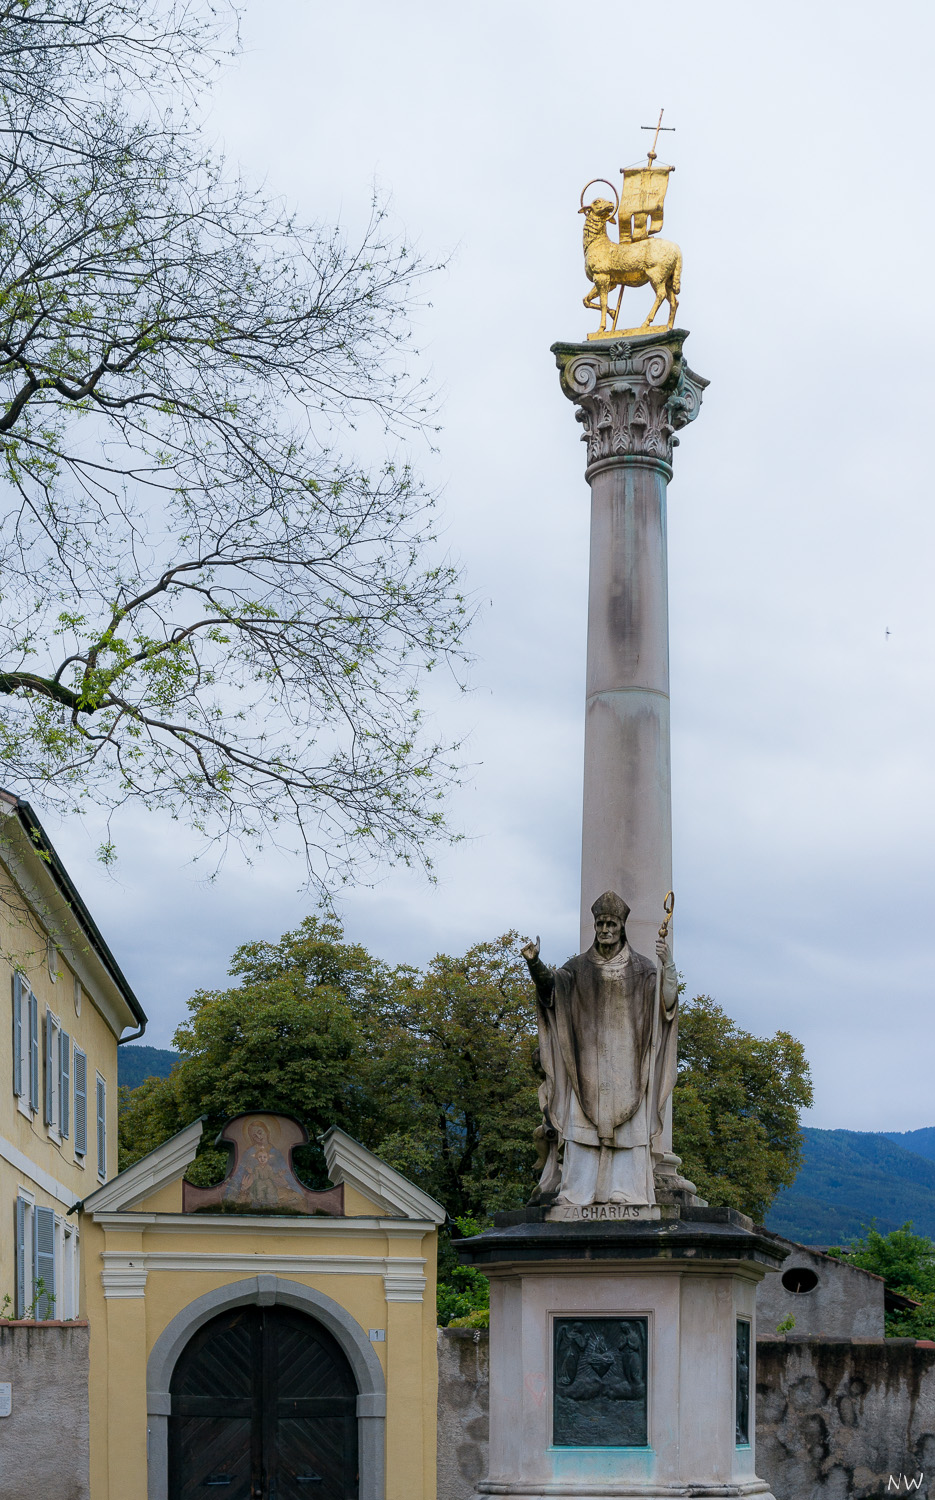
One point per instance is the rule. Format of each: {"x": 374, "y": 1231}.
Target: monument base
{"x": 622, "y": 1353}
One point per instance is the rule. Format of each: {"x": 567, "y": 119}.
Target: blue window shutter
{"x": 43, "y": 1238}
{"x": 49, "y": 1075}
{"x": 101, "y": 1128}
{"x": 17, "y": 1035}
{"x": 21, "y": 1277}
{"x": 33, "y": 1051}
{"x": 81, "y": 1103}
{"x": 64, "y": 1081}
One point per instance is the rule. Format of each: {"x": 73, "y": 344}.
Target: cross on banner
{"x": 651, "y": 155}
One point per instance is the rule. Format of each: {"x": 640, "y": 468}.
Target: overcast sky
{"x": 800, "y": 517}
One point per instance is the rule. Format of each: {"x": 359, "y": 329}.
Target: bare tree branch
{"x": 204, "y": 605}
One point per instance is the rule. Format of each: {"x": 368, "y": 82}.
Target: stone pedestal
{"x": 632, "y": 397}
{"x": 622, "y": 1355}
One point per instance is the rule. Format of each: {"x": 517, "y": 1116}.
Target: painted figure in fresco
{"x": 263, "y": 1177}
{"x": 607, "y": 1047}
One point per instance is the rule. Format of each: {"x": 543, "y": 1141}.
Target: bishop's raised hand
{"x": 530, "y": 951}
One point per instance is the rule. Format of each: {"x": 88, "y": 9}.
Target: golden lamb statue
{"x": 635, "y": 258}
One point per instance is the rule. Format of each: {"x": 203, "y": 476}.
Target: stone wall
{"x": 463, "y": 1402}
{"x": 835, "y": 1419}
{"x": 44, "y": 1440}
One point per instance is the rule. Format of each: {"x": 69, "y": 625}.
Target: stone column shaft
{"x": 627, "y": 825}
{"x": 632, "y": 395}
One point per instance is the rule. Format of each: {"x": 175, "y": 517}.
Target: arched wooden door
{"x": 264, "y": 1407}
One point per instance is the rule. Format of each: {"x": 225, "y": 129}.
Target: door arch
{"x": 263, "y": 1407}
{"x": 267, "y": 1290}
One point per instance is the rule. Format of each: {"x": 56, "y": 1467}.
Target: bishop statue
{"x": 607, "y": 1053}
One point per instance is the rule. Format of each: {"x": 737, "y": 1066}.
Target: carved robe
{"x": 596, "y": 1049}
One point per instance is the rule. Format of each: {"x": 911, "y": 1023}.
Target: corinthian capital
{"x": 632, "y": 394}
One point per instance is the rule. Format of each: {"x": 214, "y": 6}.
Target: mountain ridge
{"x": 852, "y": 1179}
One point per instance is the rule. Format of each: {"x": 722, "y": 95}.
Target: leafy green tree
{"x": 454, "y": 1055}
{"x": 206, "y": 605}
{"x": 286, "y": 1038}
{"x": 433, "y": 1071}
{"x": 906, "y": 1261}
{"x": 735, "y": 1108}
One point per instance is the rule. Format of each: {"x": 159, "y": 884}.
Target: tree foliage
{"x": 906, "y": 1261}
{"x": 206, "y": 605}
{"x": 735, "y": 1108}
{"x": 433, "y": 1070}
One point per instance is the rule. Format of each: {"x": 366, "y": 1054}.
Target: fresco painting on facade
{"x": 260, "y": 1176}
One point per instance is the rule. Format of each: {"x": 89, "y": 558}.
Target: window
{"x": 43, "y": 1238}
{"x": 25, "y": 1045}
{"x": 24, "y": 1212}
{"x": 68, "y": 1301}
{"x": 57, "y": 1044}
{"x": 64, "y": 1084}
{"x": 101, "y": 1128}
{"x": 799, "y": 1279}
{"x": 32, "y": 1009}
{"x": 20, "y": 1064}
{"x": 81, "y": 1102}
{"x": 39, "y": 1261}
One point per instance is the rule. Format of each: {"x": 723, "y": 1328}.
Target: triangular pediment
{"x": 391, "y": 1193}
{"x": 165, "y": 1165}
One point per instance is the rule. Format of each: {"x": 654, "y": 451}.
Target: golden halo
{"x": 606, "y": 184}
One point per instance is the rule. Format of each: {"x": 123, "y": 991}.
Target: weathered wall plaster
{"x": 44, "y": 1440}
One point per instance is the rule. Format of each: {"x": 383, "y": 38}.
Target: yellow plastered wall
{"x": 32, "y": 1154}
{"x": 177, "y": 1258}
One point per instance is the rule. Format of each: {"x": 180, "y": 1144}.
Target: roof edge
{"x": 41, "y": 842}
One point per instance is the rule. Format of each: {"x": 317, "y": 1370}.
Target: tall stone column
{"x": 632, "y": 396}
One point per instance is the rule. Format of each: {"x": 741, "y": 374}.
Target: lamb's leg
{"x": 660, "y": 291}
{"x": 673, "y": 304}
{"x": 604, "y": 289}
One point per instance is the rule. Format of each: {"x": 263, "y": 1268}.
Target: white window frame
{"x": 68, "y": 1291}
{"x": 23, "y": 1256}
{"x": 100, "y": 1120}
{"x": 81, "y": 1138}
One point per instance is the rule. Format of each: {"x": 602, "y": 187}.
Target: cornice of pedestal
{"x": 633, "y": 395}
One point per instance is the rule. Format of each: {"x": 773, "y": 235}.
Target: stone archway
{"x": 267, "y": 1291}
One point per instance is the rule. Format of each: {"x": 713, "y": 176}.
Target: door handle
{"x": 214, "y": 1479}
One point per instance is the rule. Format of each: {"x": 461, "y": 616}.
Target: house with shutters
{"x": 70, "y": 1006}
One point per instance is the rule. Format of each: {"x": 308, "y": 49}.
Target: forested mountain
{"x": 135, "y": 1062}
{"x": 852, "y": 1178}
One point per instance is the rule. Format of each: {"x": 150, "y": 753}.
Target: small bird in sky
{"x": 887, "y": 632}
